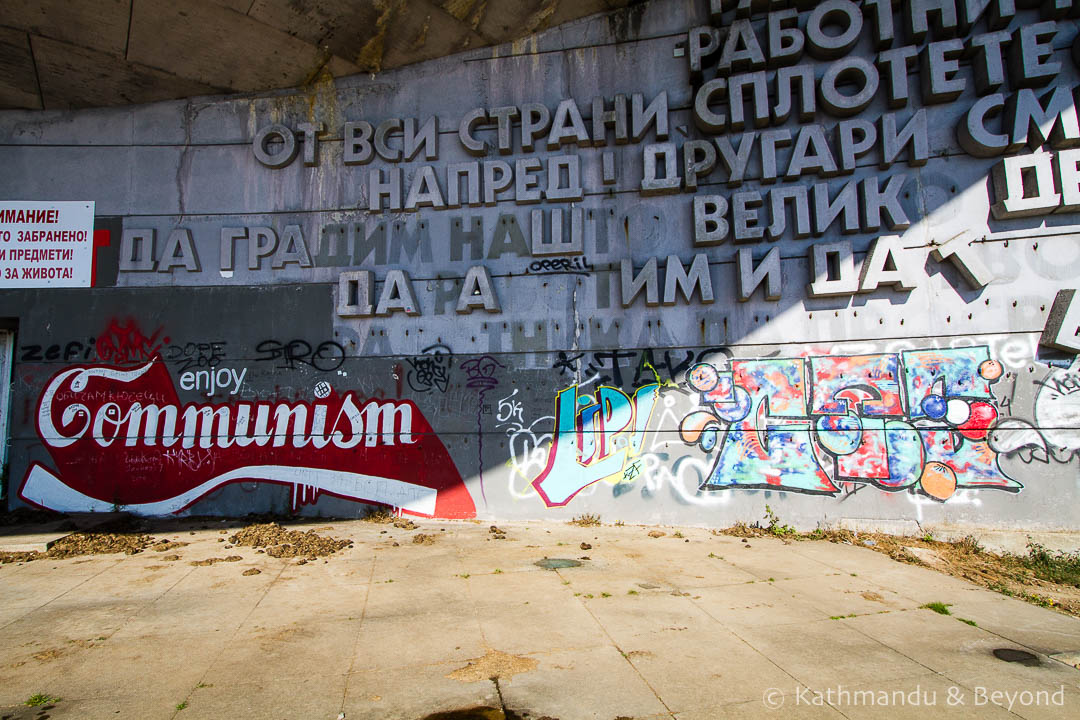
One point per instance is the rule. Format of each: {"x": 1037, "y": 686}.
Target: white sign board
{"x": 46, "y": 244}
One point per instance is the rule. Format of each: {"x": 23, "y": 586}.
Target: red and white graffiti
{"x": 108, "y": 431}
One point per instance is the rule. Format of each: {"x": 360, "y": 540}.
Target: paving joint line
{"x": 57, "y": 597}
{"x": 359, "y": 630}
{"x": 623, "y": 654}
{"x": 232, "y": 635}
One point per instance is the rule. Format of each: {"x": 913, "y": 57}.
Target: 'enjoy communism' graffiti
{"x": 119, "y": 436}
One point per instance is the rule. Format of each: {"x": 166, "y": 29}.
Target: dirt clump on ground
{"x": 99, "y": 544}
{"x": 422, "y": 539}
{"x": 741, "y": 530}
{"x": 215, "y": 560}
{"x": 251, "y": 571}
{"x": 282, "y": 543}
{"x": 383, "y": 516}
{"x": 166, "y": 545}
{"x": 125, "y": 535}
{"x": 121, "y": 536}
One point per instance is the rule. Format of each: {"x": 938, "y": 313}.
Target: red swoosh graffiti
{"x": 119, "y": 436}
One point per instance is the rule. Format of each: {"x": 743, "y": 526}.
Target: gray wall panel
{"x": 885, "y": 408}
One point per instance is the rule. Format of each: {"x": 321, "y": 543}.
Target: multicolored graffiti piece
{"x": 1055, "y": 433}
{"x": 597, "y": 437}
{"x": 918, "y": 420}
{"x": 118, "y": 436}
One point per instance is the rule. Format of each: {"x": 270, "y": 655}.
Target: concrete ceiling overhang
{"x": 63, "y": 54}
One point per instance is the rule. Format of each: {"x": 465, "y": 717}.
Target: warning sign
{"x": 46, "y": 244}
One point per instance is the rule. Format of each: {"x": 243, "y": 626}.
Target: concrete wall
{"x": 930, "y": 400}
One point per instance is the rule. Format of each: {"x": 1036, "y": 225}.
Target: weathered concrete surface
{"x": 60, "y": 54}
{"x": 700, "y": 626}
{"x": 489, "y": 420}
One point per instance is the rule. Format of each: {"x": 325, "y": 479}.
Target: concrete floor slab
{"x": 959, "y": 650}
{"x": 627, "y": 617}
{"x": 36, "y": 582}
{"x": 756, "y": 604}
{"x": 153, "y": 668}
{"x": 376, "y": 630}
{"x": 919, "y": 697}
{"x": 311, "y": 695}
{"x": 1022, "y": 692}
{"x": 842, "y": 594}
{"x": 423, "y": 640}
{"x": 1038, "y": 628}
{"x": 115, "y": 706}
{"x": 539, "y": 626}
{"x": 596, "y": 683}
{"x": 922, "y": 585}
{"x": 828, "y": 653}
{"x": 714, "y": 670}
{"x": 281, "y": 651}
{"x": 70, "y": 619}
{"x": 768, "y": 557}
{"x": 391, "y": 599}
{"x": 413, "y": 692}
{"x": 753, "y": 710}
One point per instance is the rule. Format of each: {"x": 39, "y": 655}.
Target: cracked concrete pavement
{"x": 690, "y": 625}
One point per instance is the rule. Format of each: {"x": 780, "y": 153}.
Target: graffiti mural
{"x": 1055, "y": 433}
{"x": 480, "y": 374}
{"x": 431, "y": 370}
{"x": 917, "y": 420}
{"x": 123, "y": 341}
{"x": 118, "y": 436}
{"x": 597, "y": 437}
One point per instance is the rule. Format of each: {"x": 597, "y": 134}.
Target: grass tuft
{"x": 1060, "y": 567}
{"x": 39, "y": 699}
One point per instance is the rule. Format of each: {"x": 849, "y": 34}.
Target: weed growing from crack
{"x": 39, "y": 699}
{"x": 939, "y": 607}
{"x": 585, "y": 520}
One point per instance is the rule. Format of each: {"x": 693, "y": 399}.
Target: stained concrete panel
{"x": 422, "y": 33}
{"x": 190, "y": 166}
{"x": 98, "y": 126}
{"x": 219, "y": 47}
{"x": 96, "y": 24}
{"x": 504, "y": 20}
{"x": 18, "y": 79}
{"x": 342, "y": 26}
{"x": 78, "y": 77}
